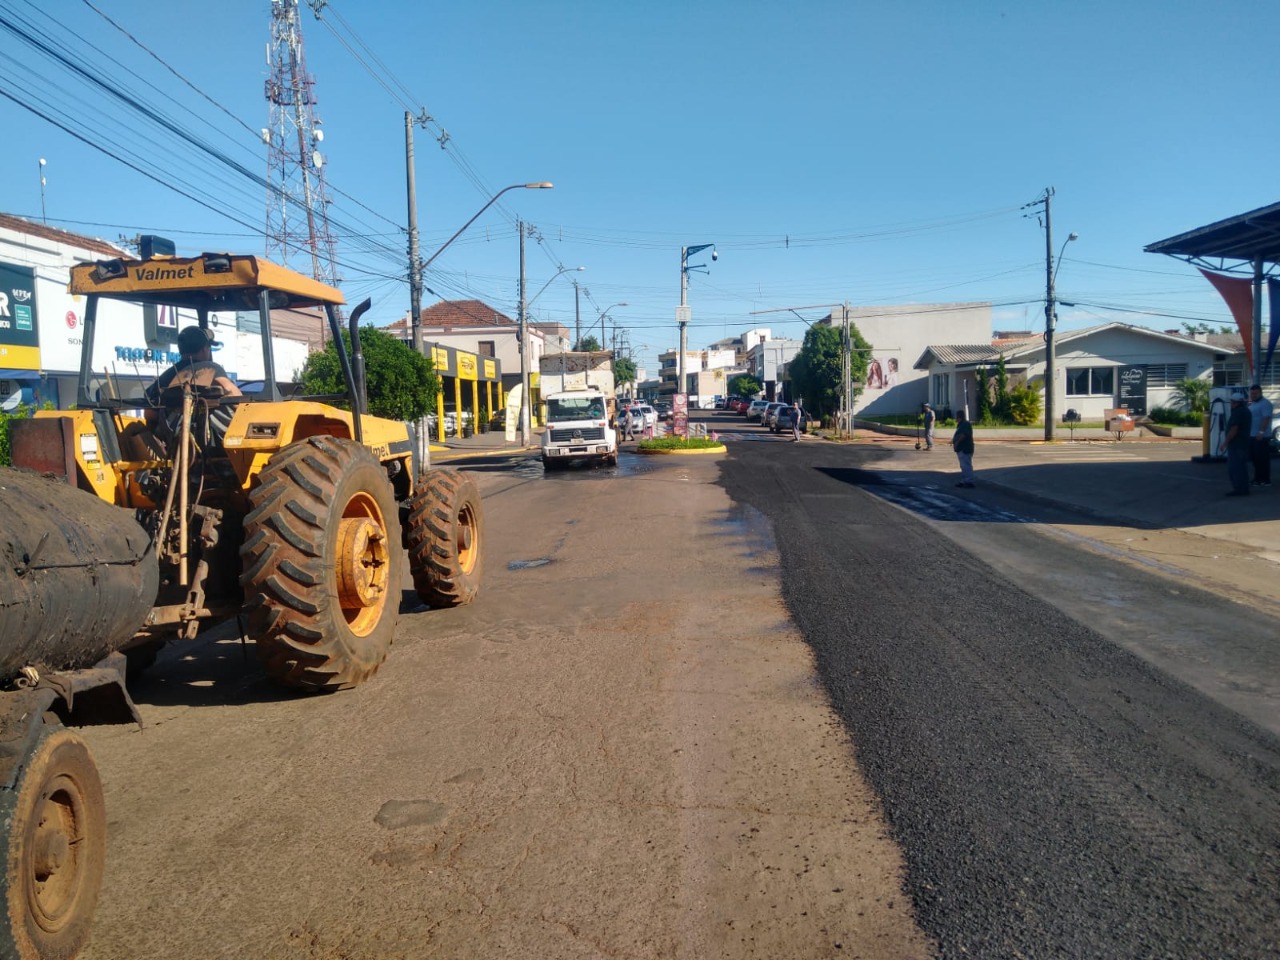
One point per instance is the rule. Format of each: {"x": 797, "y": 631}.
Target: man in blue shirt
{"x": 1260, "y": 411}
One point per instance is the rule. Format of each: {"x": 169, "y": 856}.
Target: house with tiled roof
{"x": 473, "y": 326}
{"x": 1096, "y": 368}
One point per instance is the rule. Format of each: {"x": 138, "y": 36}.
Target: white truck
{"x": 579, "y": 427}
{"x": 581, "y": 407}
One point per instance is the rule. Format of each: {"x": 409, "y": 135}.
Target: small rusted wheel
{"x": 56, "y": 846}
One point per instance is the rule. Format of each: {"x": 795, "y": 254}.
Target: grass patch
{"x": 678, "y": 443}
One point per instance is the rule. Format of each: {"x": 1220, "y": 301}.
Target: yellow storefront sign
{"x": 467, "y": 366}
{"x": 20, "y": 358}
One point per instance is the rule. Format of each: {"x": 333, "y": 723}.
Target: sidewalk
{"x": 480, "y": 444}
{"x": 1147, "y": 498}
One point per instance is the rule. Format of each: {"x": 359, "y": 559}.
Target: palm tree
{"x": 1193, "y": 395}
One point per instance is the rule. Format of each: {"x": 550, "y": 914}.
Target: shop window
{"x": 1091, "y": 381}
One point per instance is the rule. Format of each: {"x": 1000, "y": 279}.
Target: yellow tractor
{"x": 145, "y": 516}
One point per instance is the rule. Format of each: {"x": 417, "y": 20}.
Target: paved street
{"x": 797, "y": 700}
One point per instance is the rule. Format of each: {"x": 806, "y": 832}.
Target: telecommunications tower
{"x": 297, "y": 201}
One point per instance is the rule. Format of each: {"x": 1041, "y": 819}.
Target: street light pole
{"x": 1050, "y": 315}
{"x": 523, "y": 327}
{"x": 604, "y": 313}
{"x": 682, "y": 314}
{"x": 43, "y": 217}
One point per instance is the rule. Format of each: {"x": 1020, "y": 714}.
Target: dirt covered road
{"x": 620, "y": 750}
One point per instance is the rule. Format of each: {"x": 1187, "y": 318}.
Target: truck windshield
{"x": 560, "y": 410}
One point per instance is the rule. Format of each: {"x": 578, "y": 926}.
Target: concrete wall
{"x": 899, "y": 335}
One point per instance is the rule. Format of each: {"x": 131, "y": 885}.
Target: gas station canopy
{"x": 1249, "y": 236}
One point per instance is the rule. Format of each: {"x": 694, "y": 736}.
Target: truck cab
{"x": 579, "y": 427}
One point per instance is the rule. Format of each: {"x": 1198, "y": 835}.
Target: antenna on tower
{"x": 297, "y": 224}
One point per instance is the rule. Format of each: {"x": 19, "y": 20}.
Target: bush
{"x": 1024, "y": 405}
{"x": 678, "y": 443}
{"x": 21, "y": 413}
{"x": 1168, "y": 417}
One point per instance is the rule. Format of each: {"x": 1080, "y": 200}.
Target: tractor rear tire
{"x": 56, "y": 849}
{"x": 322, "y": 564}
{"x": 444, "y": 535}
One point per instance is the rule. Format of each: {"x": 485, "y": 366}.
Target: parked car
{"x": 663, "y": 408}
{"x": 720, "y": 402}
{"x": 783, "y": 421}
{"x": 757, "y": 409}
{"x": 645, "y": 416}
{"x": 740, "y": 404}
{"x": 770, "y": 415}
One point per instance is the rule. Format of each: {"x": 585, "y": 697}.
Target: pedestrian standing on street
{"x": 962, "y": 444}
{"x": 1260, "y": 414}
{"x": 797, "y": 417}
{"x": 628, "y": 425}
{"x": 930, "y": 418}
{"x": 1236, "y": 445}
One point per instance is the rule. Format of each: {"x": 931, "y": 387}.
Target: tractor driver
{"x": 198, "y": 368}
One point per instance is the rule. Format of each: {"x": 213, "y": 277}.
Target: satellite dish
{"x": 319, "y": 136}
{"x": 317, "y": 159}
{"x": 266, "y": 135}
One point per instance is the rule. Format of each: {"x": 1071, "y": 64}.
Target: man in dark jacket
{"x": 1236, "y": 445}
{"x": 962, "y": 444}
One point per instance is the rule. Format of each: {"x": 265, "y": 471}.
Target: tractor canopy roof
{"x": 211, "y": 281}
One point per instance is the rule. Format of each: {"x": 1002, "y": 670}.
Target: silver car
{"x": 769, "y": 419}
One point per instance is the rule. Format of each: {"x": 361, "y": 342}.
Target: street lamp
{"x": 422, "y": 268}
{"x": 604, "y": 313}
{"x": 1051, "y": 322}
{"x": 43, "y": 218}
{"x": 558, "y": 273}
{"x": 682, "y": 314}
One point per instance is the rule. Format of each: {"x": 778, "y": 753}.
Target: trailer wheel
{"x": 444, "y": 535}
{"x": 321, "y": 565}
{"x": 56, "y": 849}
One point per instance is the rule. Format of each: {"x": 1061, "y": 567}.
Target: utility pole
{"x": 415, "y": 258}
{"x": 577, "y": 315}
{"x": 522, "y": 325}
{"x": 682, "y": 313}
{"x": 846, "y": 375}
{"x": 1050, "y": 317}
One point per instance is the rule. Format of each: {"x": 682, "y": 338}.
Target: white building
{"x": 41, "y": 323}
{"x": 898, "y": 335}
{"x": 767, "y": 361}
{"x": 1096, "y": 369}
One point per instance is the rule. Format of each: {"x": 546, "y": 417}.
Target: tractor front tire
{"x": 444, "y": 534}
{"x": 56, "y": 849}
{"x": 322, "y": 564}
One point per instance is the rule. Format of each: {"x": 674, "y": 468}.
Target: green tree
{"x": 1192, "y": 395}
{"x": 624, "y": 370}
{"x": 815, "y": 369}
{"x": 1001, "y": 405}
{"x": 982, "y": 400}
{"x": 744, "y": 385}
{"x": 402, "y": 384}
{"x": 588, "y": 344}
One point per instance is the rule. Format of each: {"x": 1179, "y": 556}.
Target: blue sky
{"x": 872, "y": 152}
